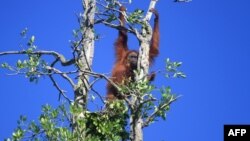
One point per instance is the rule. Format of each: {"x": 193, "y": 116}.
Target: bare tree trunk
{"x": 84, "y": 62}
{"x": 86, "y": 53}
{"x": 136, "y": 121}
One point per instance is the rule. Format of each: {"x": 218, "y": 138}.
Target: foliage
{"x": 172, "y": 69}
{"x": 152, "y": 105}
{"x": 109, "y": 124}
{"x": 32, "y": 67}
{"x": 56, "y": 124}
{"x": 134, "y": 17}
{"x": 52, "y": 125}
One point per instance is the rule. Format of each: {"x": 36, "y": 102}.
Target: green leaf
{"x": 19, "y": 64}
{"x": 74, "y": 33}
{"x": 8, "y": 139}
{"x": 32, "y": 39}
{"x": 5, "y": 65}
{"x": 167, "y": 60}
{"x": 23, "y": 118}
{"x": 24, "y": 32}
{"x": 168, "y": 90}
{"x": 54, "y": 113}
{"x": 178, "y": 64}
{"x": 164, "y": 95}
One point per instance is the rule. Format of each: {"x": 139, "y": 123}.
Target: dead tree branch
{"x": 61, "y": 91}
{"x": 57, "y": 55}
{"x": 65, "y": 76}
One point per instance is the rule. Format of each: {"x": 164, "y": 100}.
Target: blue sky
{"x": 210, "y": 37}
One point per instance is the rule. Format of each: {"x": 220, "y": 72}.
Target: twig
{"x": 86, "y": 82}
{"x": 42, "y": 73}
{"x": 106, "y": 7}
{"x": 152, "y": 116}
{"x": 61, "y": 92}
{"x": 148, "y": 100}
{"x": 65, "y": 76}
{"x": 93, "y": 82}
{"x": 118, "y": 27}
{"x": 102, "y": 76}
{"x": 98, "y": 94}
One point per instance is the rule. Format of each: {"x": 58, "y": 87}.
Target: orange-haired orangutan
{"x": 126, "y": 60}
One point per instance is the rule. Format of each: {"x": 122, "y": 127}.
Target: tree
{"x": 140, "y": 110}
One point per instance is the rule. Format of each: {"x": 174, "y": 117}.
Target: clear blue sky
{"x": 211, "y": 37}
